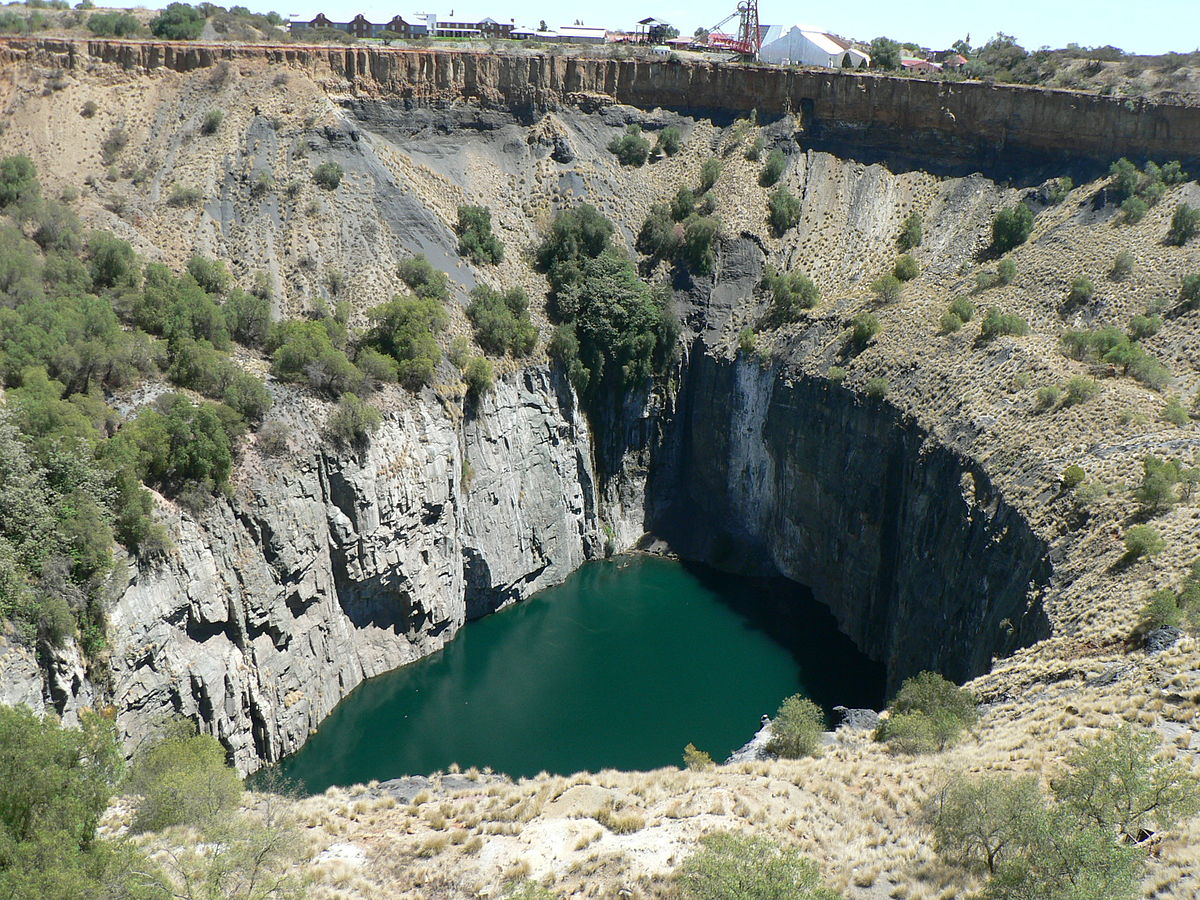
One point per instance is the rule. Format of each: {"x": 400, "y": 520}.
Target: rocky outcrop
{"x": 921, "y": 561}
{"x": 324, "y": 569}
{"x": 962, "y": 125}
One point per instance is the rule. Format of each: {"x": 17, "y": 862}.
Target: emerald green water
{"x": 618, "y": 667}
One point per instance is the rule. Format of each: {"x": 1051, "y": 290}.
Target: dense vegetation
{"x": 729, "y": 866}
{"x": 615, "y": 329}
{"x": 928, "y": 713}
{"x": 1086, "y": 841}
{"x": 58, "y": 781}
{"x": 475, "y": 238}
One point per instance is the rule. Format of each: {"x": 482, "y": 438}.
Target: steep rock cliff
{"x": 324, "y": 569}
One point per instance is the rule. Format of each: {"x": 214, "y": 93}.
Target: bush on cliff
{"x": 797, "y": 727}
{"x": 475, "y": 238}
{"x": 501, "y": 321}
{"x": 182, "y": 779}
{"x": 928, "y": 713}
{"x": 1011, "y": 227}
{"x": 630, "y": 148}
{"x": 405, "y": 329}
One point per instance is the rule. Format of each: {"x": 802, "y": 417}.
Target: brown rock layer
{"x": 964, "y": 123}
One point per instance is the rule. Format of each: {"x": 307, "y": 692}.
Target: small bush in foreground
{"x": 887, "y": 289}
{"x": 1122, "y": 266}
{"x": 864, "y": 327}
{"x": 1081, "y": 389}
{"x": 796, "y": 728}
{"x": 729, "y": 866}
{"x": 669, "y": 141}
{"x": 1082, "y": 290}
{"x": 877, "y": 388}
{"x": 183, "y": 780}
{"x": 479, "y": 377}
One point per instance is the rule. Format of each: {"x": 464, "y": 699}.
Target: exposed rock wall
{"x": 963, "y": 124}
{"x": 324, "y": 569}
{"x": 923, "y": 564}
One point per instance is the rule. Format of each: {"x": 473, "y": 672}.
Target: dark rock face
{"x": 1164, "y": 638}
{"x": 803, "y": 479}
{"x": 858, "y": 719}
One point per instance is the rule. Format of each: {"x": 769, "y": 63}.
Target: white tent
{"x": 807, "y": 46}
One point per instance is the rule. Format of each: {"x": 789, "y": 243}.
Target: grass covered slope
{"x": 1066, "y": 366}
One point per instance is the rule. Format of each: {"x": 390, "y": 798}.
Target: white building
{"x": 804, "y": 45}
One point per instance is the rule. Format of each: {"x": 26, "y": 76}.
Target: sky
{"x": 1151, "y": 26}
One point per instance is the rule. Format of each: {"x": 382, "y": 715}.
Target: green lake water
{"x": 618, "y": 667}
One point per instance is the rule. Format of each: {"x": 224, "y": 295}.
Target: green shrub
{"x": 184, "y": 195}
{"x": 376, "y": 368}
{"x": 404, "y": 329}
{"x": 1185, "y": 225}
{"x": 683, "y": 205}
{"x": 210, "y": 274}
{"x": 1120, "y": 783}
{"x": 796, "y": 728}
{"x": 630, "y": 148}
{"x": 669, "y": 141}
{"x": 1189, "y": 292}
{"x": 791, "y": 294}
{"x": 1125, "y": 178}
{"x": 1059, "y": 189}
{"x": 979, "y": 823}
{"x": 836, "y": 374}
{"x": 950, "y": 322}
{"x": 906, "y": 268}
{"x": 911, "y": 232}
{"x": 963, "y": 308}
{"x": 57, "y": 783}
{"x": 212, "y": 121}
{"x": 183, "y": 780}
{"x": 729, "y": 866}
{"x": 1142, "y": 327}
{"x": 1162, "y": 609}
{"x": 887, "y": 289}
{"x": 1157, "y": 490}
{"x": 996, "y": 323}
{"x": 1011, "y": 227}
{"x": 876, "y": 388}
{"x": 1134, "y": 209}
{"x": 328, "y": 175}
{"x": 773, "y": 169}
{"x": 1006, "y": 271}
{"x": 696, "y": 760}
{"x": 181, "y": 445}
{"x": 56, "y": 227}
{"x": 710, "y": 171}
{"x": 698, "y": 251}
{"x": 248, "y": 318}
{"x": 783, "y": 210}
{"x": 112, "y": 261}
{"x": 564, "y": 347}
{"x": 479, "y": 377}
{"x": 1081, "y": 389}
{"x": 1143, "y": 540}
{"x": 863, "y": 328}
{"x": 747, "y": 340}
{"x": 1072, "y": 477}
{"x": 1082, "y": 290}
{"x": 423, "y": 279}
{"x": 755, "y": 149}
{"x": 928, "y": 713}
{"x": 178, "y": 22}
{"x": 660, "y": 237}
{"x": 303, "y": 351}
{"x": 18, "y": 180}
{"x": 352, "y": 422}
{"x": 574, "y": 233}
{"x": 113, "y": 24}
{"x": 475, "y": 238}
{"x": 501, "y": 321}
{"x": 1175, "y": 412}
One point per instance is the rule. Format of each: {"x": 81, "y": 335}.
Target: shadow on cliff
{"x": 832, "y": 670}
